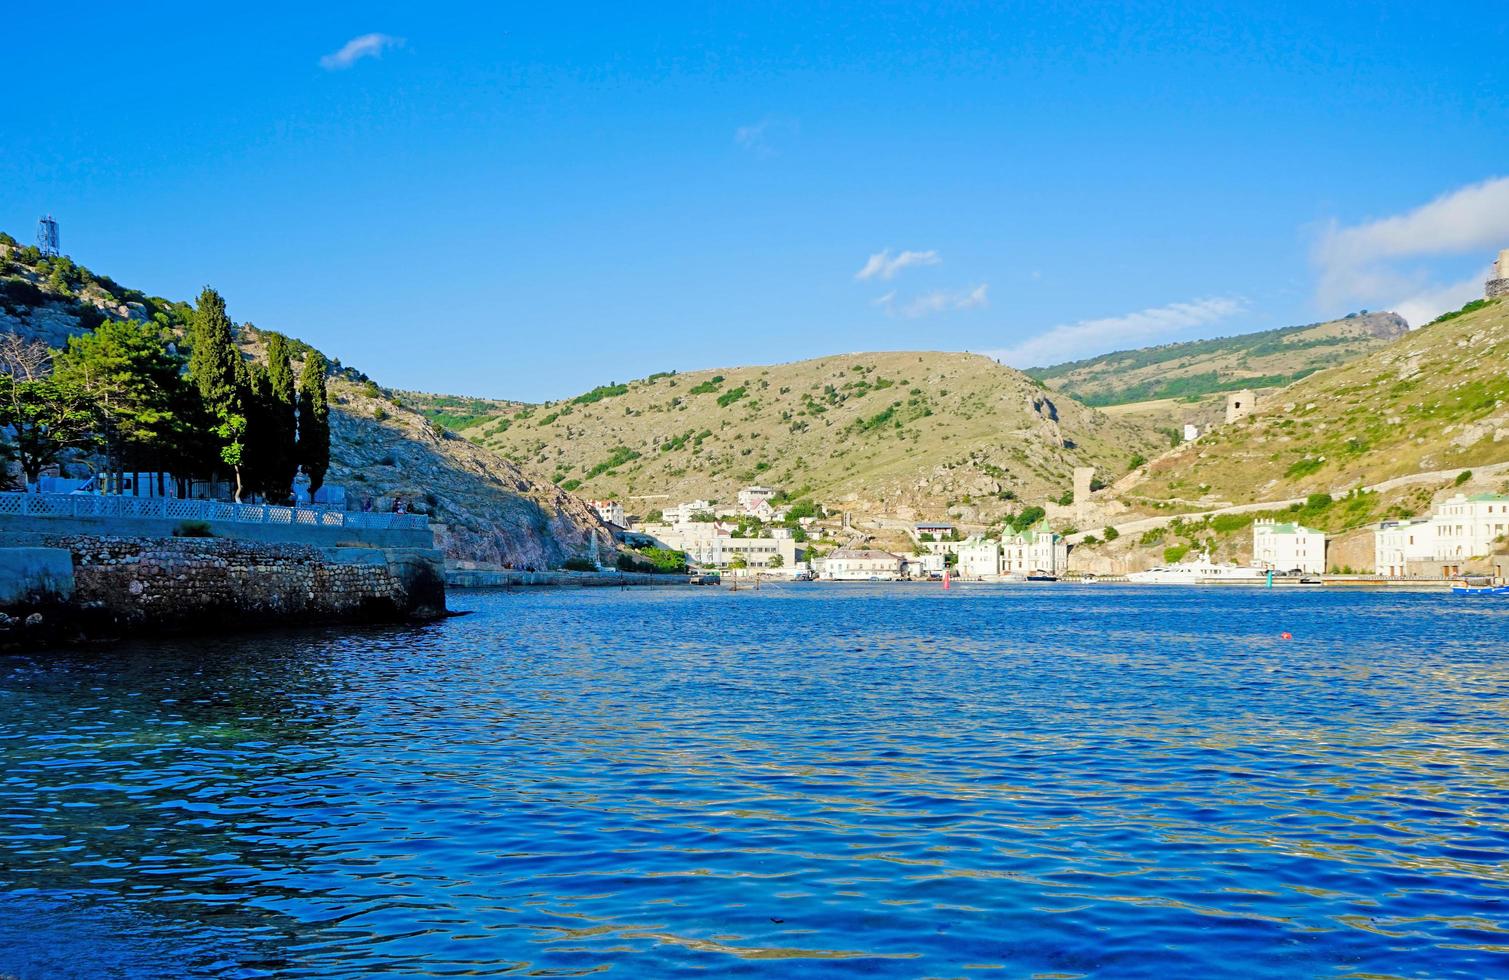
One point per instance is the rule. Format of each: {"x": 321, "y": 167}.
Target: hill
{"x": 1268, "y": 359}
{"x": 493, "y": 510}
{"x": 1434, "y": 399}
{"x": 933, "y": 432}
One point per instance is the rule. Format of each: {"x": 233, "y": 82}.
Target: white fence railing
{"x": 168, "y": 508}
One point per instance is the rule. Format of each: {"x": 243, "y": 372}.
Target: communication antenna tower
{"x": 47, "y": 236}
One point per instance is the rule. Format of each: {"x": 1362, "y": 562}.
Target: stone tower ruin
{"x": 1240, "y": 404}
{"x": 1498, "y": 285}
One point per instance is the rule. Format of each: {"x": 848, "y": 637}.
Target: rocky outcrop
{"x": 488, "y": 509}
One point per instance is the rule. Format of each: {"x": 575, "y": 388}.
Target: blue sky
{"x": 525, "y": 203}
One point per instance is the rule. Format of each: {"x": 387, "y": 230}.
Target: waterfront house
{"x": 1037, "y": 550}
{"x": 930, "y": 565}
{"x": 979, "y": 558}
{"x": 862, "y": 565}
{"x": 1398, "y": 544}
{"x": 1468, "y": 527}
{"x": 1286, "y": 547}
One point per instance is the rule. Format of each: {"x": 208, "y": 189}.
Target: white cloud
{"x": 884, "y": 265}
{"x": 1424, "y": 306}
{"x": 1071, "y": 341}
{"x": 354, "y": 50}
{"x": 937, "y": 301}
{"x": 760, "y": 137}
{"x": 1368, "y": 262}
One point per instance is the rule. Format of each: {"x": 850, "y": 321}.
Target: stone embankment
{"x": 76, "y": 586}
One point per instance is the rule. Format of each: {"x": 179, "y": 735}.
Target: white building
{"x": 750, "y": 496}
{"x": 1285, "y": 547}
{"x": 933, "y": 530}
{"x": 611, "y": 511}
{"x": 1397, "y": 543}
{"x": 760, "y": 509}
{"x": 979, "y": 558}
{"x": 683, "y": 513}
{"x": 862, "y": 565}
{"x": 1035, "y": 551}
{"x": 712, "y": 545}
{"x": 1191, "y": 432}
{"x": 930, "y": 565}
{"x": 1469, "y": 527}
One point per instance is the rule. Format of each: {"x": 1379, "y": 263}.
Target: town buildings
{"x": 1462, "y": 529}
{"x": 1287, "y": 547}
{"x": 1035, "y": 550}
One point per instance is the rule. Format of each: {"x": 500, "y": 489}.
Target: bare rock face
{"x": 492, "y": 510}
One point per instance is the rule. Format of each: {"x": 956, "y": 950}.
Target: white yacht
{"x": 1201, "y": 571}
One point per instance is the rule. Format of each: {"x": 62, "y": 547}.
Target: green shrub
{"x": 1110, "y": 534}
{"x": 1304, "y": 467}
{"x": 732, "y": 395}
{"x": 1463, "y": 477}
{"x": 193, "y": 529}
{"x": 1173, "y": 553}
{"x": 579, "y": 565}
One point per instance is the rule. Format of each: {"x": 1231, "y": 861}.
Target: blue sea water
{"x": 807, "y": 780}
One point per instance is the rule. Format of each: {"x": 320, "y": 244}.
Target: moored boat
{"x": 1201, "y": 571}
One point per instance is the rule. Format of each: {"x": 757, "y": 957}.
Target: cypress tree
{"x": 282, "y": 411}
{"x": 217, "y": 370}
{"x": 314, "y": 420}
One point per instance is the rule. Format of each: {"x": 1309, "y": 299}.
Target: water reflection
{"x": 795, "y": 781}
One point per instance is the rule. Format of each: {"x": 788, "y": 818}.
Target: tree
{"x": 24, "y": 359}
{"x": 314, "y": 420}
{"x": 282, "y": 415}
{"x": 776, "y": 561}
{"x": 149, "y": 413}
{"x": 215, "y": 367}
{"x": 213, "y": 355}
{"x": 47, "y": 417}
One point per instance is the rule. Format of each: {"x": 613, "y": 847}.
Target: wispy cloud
{"x": 884, "y": 265}
{"x": 937, "y": 301}
{"x": 1370, "y": 262}
{"x": 1071, "y": 341}
{"x": 760, "y": 137}
{"x": 354, "y": 50}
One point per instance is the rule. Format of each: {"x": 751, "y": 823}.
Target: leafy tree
{"x": 148, "y": 411}
{"x": 314, "y": 420}
{"x": 47, "y": 417}
{"x": 776, "y": 561}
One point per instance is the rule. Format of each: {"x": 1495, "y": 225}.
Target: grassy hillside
{"x": 380, "y": 447}
{"x": 1435, "y": 399}
{"x": 931, "y": 431}
{"x": 1268, "y": 359}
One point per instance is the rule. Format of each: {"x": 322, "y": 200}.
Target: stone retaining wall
{"x": 138, "y": 584}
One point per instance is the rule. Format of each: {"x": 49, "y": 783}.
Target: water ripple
{"x": 1059, "y": 782}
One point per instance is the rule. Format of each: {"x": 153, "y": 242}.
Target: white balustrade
{"x": 168, "y": 508}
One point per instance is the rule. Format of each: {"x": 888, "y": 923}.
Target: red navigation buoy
{"x": 1286, "y": 635}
